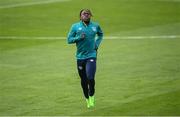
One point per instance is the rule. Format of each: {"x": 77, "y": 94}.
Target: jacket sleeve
{"x": 72, "y": 36}
{"x": 99, "y": 37}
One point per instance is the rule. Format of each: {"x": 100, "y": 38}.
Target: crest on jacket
{"x": 94, "y": 29}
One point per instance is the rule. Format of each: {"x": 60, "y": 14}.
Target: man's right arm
{"x": 72, "y": 36}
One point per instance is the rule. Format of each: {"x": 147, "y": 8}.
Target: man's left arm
{"x": 99, "y": 37}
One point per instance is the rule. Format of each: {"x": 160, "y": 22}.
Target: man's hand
{"x": 96, "y": 48}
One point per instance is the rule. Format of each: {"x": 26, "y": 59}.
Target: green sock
{"x": 92, "y": 101}
{"x": 88, "y": 104}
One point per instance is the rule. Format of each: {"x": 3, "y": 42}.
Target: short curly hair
{"x": 87, "y": 10}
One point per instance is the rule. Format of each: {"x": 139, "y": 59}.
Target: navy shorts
{"x": 87, "y": 68}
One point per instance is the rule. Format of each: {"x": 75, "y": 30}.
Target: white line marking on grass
{"x": 25, "y": 37}
{"x": 106, "y": 37}
{"x": 30, "y": 3}
{"x": 144, "y": 37}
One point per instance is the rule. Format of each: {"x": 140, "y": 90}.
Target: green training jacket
{"x": 86, "y": 47}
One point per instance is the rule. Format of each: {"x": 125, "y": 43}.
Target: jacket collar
{"x": 82, "y": 23}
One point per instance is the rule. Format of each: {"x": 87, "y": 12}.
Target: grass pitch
{"x": 134, "y": 76}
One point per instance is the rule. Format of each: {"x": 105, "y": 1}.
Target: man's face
{"x": 85, "y": 16}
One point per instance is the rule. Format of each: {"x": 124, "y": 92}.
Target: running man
{"x": 87, "y": 35}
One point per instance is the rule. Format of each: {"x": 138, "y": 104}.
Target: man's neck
{"x": 86, "y": 22}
